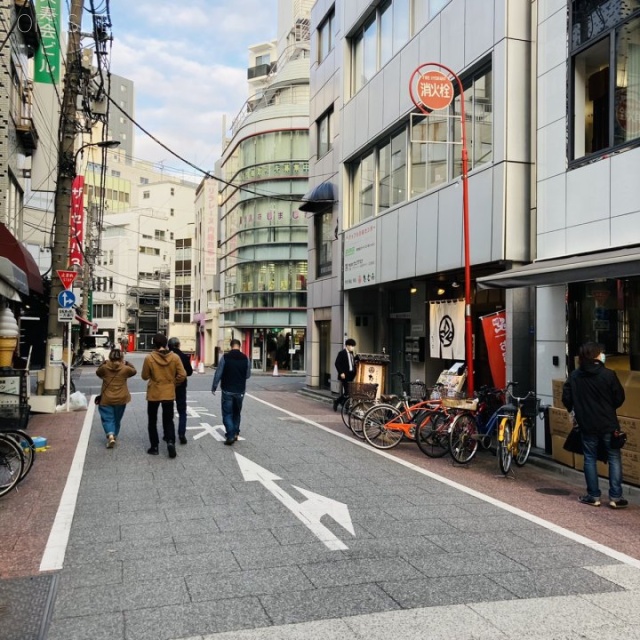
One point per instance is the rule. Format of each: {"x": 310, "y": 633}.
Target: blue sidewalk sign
{"x": 66, "y": 299}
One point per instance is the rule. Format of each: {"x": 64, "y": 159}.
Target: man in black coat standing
{"x": 181, "y": 390}
{"x": 593, "y": 393}
{"x": 346, "y": 368}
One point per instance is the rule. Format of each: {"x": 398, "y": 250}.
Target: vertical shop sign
{"x": 76, "y": 226}
{"x": 494, "y": 327}
{"x": 47, "y": 58}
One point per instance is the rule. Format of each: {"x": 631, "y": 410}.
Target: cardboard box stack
{"x": 628, "y": 416}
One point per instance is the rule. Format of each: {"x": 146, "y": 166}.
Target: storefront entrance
{"x": 281, "y": 346}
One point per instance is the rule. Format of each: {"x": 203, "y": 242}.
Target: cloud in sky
{"x": 188, "y": 62}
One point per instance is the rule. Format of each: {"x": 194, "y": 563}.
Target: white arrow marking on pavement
{"x": 217, "y": 432}
{"x": 308, "y": 512}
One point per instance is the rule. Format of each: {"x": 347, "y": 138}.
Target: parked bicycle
{"x": 516, "y": 429}
{"x": 17, "y": 455}
{"x": 386, "y": 424}
{"x": 475, "y": 425}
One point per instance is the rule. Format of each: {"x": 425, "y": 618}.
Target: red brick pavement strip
{"x": 28, "y": 512}
{"x": 617, "y": 529}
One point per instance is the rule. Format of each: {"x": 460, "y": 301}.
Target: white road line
{"x": 571, "y": 535}
{"x": 53, "y": 557}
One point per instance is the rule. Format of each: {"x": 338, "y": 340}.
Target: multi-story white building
{"x": 264, "y": 171}
{"x": 205, "y": 287}
{"x": 587, "y": 229}
{"x": 386, "y": 232}
{"x": 142, "y": 275}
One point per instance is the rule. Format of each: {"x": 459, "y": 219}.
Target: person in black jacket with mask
{"x": 593, "y": 393}
{"x": 232, "y": 373}
{"x": 181, "y": 389}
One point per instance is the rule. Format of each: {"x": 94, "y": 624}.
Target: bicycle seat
{"x": 388, "y": 397}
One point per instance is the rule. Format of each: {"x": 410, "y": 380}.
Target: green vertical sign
{"x": 47, "y": 60}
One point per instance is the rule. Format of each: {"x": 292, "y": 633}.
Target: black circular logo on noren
{"x": 446, "y": 331}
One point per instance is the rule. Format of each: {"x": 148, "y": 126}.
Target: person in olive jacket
{"x": 181, "y": 389}
{"x": 593, "y": 393}
{"x": 114, "y": 395}
{"x": 164, "y": 371}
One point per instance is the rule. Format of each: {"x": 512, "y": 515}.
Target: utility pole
{"x": 62, "y": 203}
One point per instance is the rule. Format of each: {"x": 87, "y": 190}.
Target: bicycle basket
{"x": 469, "y": 404}
{"x": 364, "y": 390}
{"x": 418, "y": 390}
{"x": 530, "y": 407}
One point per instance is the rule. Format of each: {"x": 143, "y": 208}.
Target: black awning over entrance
{"x": 606, "y": 264}
{"x": 320, "y": 199}
{"x": 17, "y": 253}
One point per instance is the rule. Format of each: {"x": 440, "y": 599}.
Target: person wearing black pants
{"x": 346, "y": 368}
{"x": 181, "y": 389}
{"x": 164, "y": 371}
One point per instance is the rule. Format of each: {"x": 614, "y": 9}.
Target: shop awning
{"x": 606, "y": 264}
{"x": 14, "y": 277}
{"x": 17, "y": 253}
{"x": 320, "y": 199}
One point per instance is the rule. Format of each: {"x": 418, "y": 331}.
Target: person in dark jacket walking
{"x": 232, "y": 373}
{"x": 164, "y": 372}
{"x": 346, "y": 367}
{"x": 181, "y": 389}
{"x": 593, "y": 393}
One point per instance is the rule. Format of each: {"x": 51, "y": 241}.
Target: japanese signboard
{"x": 76, "y": 227}
{"x": 435, "y": 90}
{"x": 360, "y": 256}
{"x": 47, "y": 58}
{"x": 494, "y": 327}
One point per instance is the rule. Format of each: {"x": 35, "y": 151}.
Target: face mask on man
{"x": 602, "y": 357}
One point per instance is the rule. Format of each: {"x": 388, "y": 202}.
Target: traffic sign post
{"x": 66, "y": 315}
{"x": 66, "y": 299}
{"x": 67, "y": 277}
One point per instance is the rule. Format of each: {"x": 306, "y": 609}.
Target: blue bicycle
{"x": 470, "y": 428}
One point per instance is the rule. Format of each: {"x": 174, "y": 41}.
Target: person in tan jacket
{"x": 164, "y": 371}
{"x": 114, "y": 395}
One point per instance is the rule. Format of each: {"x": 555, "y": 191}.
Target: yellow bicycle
{"x": 515, "y": 430}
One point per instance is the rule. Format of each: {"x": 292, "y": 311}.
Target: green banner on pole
{"x": 47, "y": 59}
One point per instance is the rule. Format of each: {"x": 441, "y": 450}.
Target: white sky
{"x": 188, "y": 62}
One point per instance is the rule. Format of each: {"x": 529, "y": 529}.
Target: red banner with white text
{"x": 76, "y": 223}
{"x": 494, "y": 327}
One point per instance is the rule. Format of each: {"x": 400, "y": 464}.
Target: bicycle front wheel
{"x": 505, "y": 452}
{"x": 376, "y": 430}
{"x": 356, "y": 416}
{"x": 11, "y": 463}
{"x": 524, "y": 443}
{"x": 25, "y": 442}
{"x": 463, "y": 441}
{"x": 432, "y": 435}
{"x": 345, "y": 410}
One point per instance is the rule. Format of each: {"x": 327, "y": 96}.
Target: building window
{"x": 263, "y": 59}
{"x": 146, "y": 195}
{"x": 384, "y": 33}
{"x": 172, "y": 212}
{"x": 173, "y": 191}
{"x": 363, "y": 188}
{"x": 325, "y": 132}
{"x": 325, "y": 35}
{"x": 150, "y": 251}
{"x": 102, "y": 311}
{"x": 605, "y": 57}
{"x": 144, "y": 180}
{"x": 324, "y": 244}
{"x": 159, "y": 234}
